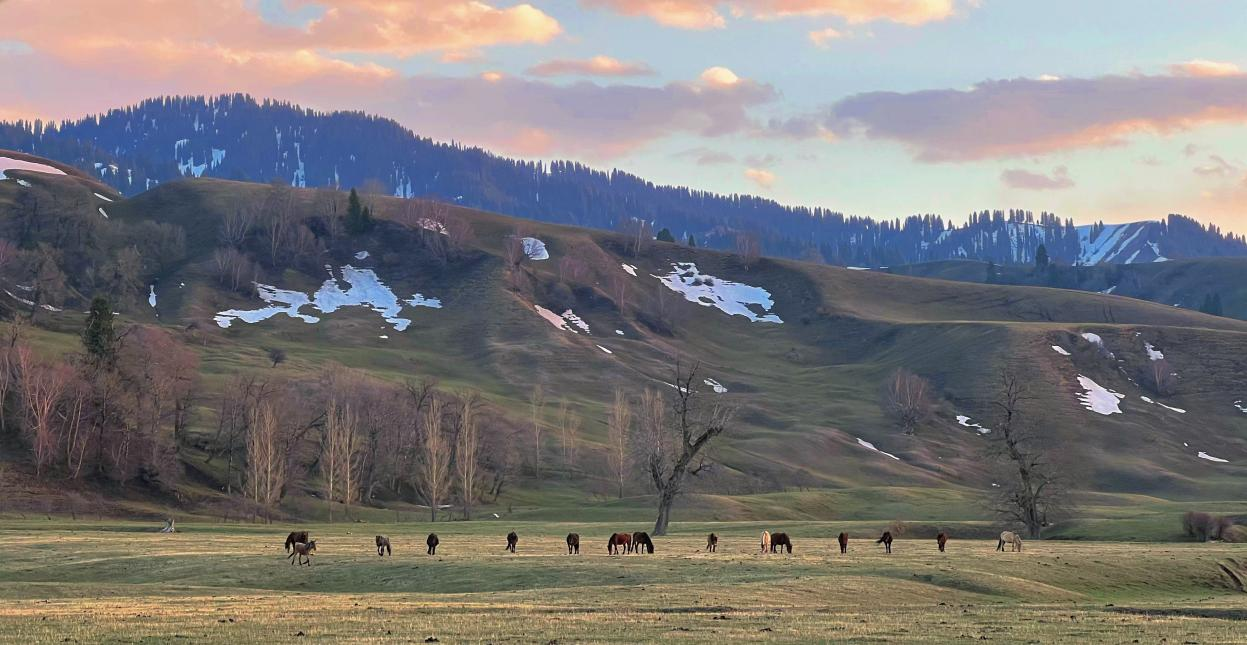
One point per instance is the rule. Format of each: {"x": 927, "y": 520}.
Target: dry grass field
{"x": 119, "y": 582}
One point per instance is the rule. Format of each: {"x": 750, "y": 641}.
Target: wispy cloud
{"x": 597, "y": 66}
{"x": 763, "y": 179}
{"x": 1023, "y": 117}
{"x": 822, "y": 37}
{"x": 710, "y": 14}
{"x": 1026, "y": 180}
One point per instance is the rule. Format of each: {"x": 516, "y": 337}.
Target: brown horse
{"x": 640, "y": 540}
{"x": 618, "y": 540}
{"x": 432, "y": 541}
{"x": 843, "y": 539}
{"x": 573, "y": 543}
{"x": 886, "y": 541}
{"x": 383, "y": 546}
{"x": 295, "y": 537}
{"x": 303, "y": 551}
{"x": 941, "y": 540}
{"x": 780, "y": 541}
{"x": 512, "y": 540}
{"x": 712, "y": 543}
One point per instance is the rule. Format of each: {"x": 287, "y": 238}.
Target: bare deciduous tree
{"x": 467, "y": 452}
{"x": 1159, "y": 376}
{"x": 266, "y": 459}
{"x": 908, "y": 399}
{"x": 1032, "y": 490}
{"x": 432, "y": 476}
{"x": 340, "y": 456}
{"x": 619, "y": 439}
{"x": 236, "y": 226}
{"x": 41, "y": 388}
{"x": 569, "y": 434}
{"x": 749, "y": 248}
{"x": 537, "y": 406}
{"x": 670, "y": 446}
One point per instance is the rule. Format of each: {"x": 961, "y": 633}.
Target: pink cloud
{"x": 822, "y": 38}
{"x": 1027, "y": 180}
{"x": 709, "y": 14}
{"x": 596, "y": 66}
{"x": 1022, "y": 117}
{"x": 764, "y": 179}
{"x": 1200, "y": 67}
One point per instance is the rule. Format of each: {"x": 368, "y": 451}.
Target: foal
{"x": 512, "y": 539}
{"x": 844, "y": 542}
{"x": 303, "y": 551}
{"x": 383, "y": 546}
{"x": 886, "y": 541}
{"x": 712, "y": 543}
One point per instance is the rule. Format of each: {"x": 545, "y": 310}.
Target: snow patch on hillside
{"x": 1167, "y": 407}
{"x": 717, "y": 386}
{"x": 1152, "y": 352}
{"x": 870, "y": 446}
{"x": 1099, "y": 399}
{"x": 362, "y": 255}
{"x": 965, "y": 421}
{"x": 630, "y": 269}
{"x": 103, "y": 197}
{"x": 431, "y": 225}
{"x": 103, "y": 213}
{"x": 1241, "y": 408}
{"x": 732, "y": 298}
{"x": 1204, "y": 455}
{"x": 535, "y": 249}
{"x": 151, "y": 296}
{"x": 572, "y": 318}
{"x": 9, "y": 163}
{"x": 1060, "y": 350}
{"x": 365, "y": 290}
{"x": 554, "y": 319}
{"x": 605, "y": 350}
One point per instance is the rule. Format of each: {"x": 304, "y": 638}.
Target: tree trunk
{"x": 665, "y": 500}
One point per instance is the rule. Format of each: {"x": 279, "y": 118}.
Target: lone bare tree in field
{"x": 1032, "y": 490}
{"x": 468, "y": 449}
{"x": 619, "y": 439}
{"x": 433, "y": 474}
{"x": 671, "y": 439}
{"x": 908, "y": 399}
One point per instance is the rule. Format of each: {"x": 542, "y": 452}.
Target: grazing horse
{"x": 941, "y": 539}
{"x": 303, "y": 551}
{"x": 886, "y": 541}
{"x": 512, "y": 539}
{"x": 1012, "y": 539}
{"x": 383, "y": 546}
{"x": 843, "y": 539}
{"x": 618, "y": 540}
{"x": 432, "y": 541}
{"x": 640, "y": 540}
{"x": 573, "y": 543}
{"x": 295, "y": 537}
{"x": 779, "y": 542}
{"x": 766, "y": 542}
{"x": 712, "y": 543}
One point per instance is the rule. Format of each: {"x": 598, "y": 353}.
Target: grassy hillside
{"x": 806, "y": 390}
{"x": 1181, "y": 283}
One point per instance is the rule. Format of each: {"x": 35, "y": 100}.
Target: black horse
{"x": 432, "y": 541}
{"x": 886, "y": 541}
{"x": 779, "y": 542}
{"x": 640, "y": 540}
{"x": 512, "y": 539}
{"x": 712, "y": 543}
{"x": 573, "y": 543}
{"x": 844, "y": 542}
{"x": 383, "y": 546}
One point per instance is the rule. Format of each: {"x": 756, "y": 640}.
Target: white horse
{"x": 1012, "y": 539}
{"x": 766, "y": 542}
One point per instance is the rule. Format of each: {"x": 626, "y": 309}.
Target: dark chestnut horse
{"x": 573, "y": 543}
{"x": 383, "y": 546}
{"x": 712, "y": 543}
{"x": 512, "y": 539}
{"x": 886, "y": 541}
{"x": 844, "y": 542}
{"x": 640, "y": 540}
{"x": 779, "y": 542}
{"x": 294, "y": 538}
{"x": 941, "y": 540}
{"x": 432, "y": 541}
{"x": 618, "y": 540}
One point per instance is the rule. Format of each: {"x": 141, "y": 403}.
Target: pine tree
{"x": 358, "y": 216}
{"x": 666, "y": 236}
{"x": 692, "y": 242}
{"x": 1041, "y": 257}
{"x": 98, "y": 336}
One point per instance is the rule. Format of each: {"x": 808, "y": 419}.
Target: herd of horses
{"x": 300, "y": 548}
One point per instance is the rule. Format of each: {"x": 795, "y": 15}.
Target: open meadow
{"x": 63, "y": 581}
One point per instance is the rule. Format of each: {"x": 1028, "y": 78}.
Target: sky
{"x": 1099, "y": 111}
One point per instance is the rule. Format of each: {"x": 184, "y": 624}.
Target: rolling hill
{"x": 800, "y": 350}
{"x": 236, "y": 137}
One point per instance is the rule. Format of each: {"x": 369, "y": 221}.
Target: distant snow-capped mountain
{"x": 236, "y": 137}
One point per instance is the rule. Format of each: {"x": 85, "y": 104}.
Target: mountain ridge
{"x": 236, "y": 137}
